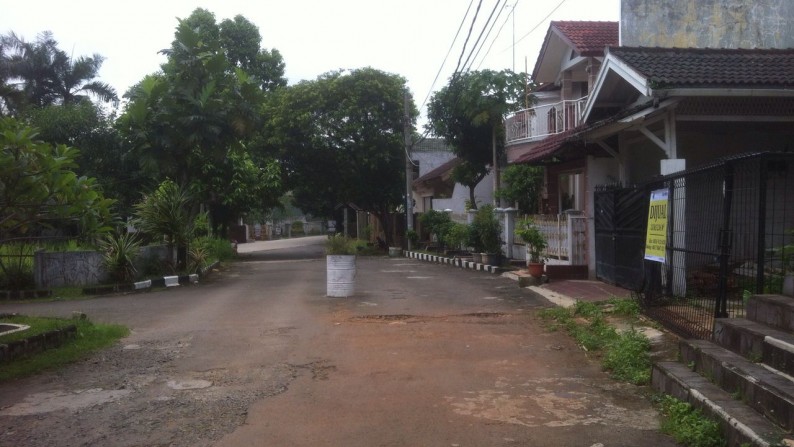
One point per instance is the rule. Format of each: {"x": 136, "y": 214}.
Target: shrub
{"x": 339, "y": 244}
{"x": 119, "y": 252}
{"x": 16, "y": 266}
{"x": 488, "y": 230}
{"x": 456, "y": 235}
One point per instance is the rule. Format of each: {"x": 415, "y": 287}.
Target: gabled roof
{"x": 439, "y": 172}
{"x": 438, "y": 181}
{"x": 431, "y": 145}
{"x": 587, "y": 38}
{"x": 630, "y": 72}
{"x": 710, "y": 67}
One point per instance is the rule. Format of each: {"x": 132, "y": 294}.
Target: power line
{"x": 460, "y": 27}
{"x": 496, "y": 6}
{"x": 538, "y": 24}
{"x": 498, "y": 33}
{"x": 466, "y": 42}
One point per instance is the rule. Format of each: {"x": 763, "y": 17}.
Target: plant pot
{"x": 535, "y": 269}
{"x": 395, "y": 252}
{"x": 489, "y": 258}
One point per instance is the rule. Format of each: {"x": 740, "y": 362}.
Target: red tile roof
{"x": 588, "y": 38}
{"x": 710, "y": 67}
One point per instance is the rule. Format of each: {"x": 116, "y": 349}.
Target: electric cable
{"x": 481, "y": 33}
{"x": 488, "y": 34}
{"x": 498, "y": 33}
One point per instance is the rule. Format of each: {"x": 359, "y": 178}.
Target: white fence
{"x": 566, "y": 236}
{"x": 541, "y": 121}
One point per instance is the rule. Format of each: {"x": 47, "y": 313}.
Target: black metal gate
{"x": 620, "y": 217}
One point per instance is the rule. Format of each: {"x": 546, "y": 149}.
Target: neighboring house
{"x": 627, "y": 114}
{"x": 433, "y": 187}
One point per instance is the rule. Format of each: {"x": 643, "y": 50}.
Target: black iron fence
{"x": 730, "y": 234}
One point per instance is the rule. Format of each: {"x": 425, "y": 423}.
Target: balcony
{"x": 539, "y": 122}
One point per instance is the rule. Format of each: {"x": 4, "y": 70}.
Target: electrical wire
{"x": 466, "y": 42}
{"x": 487, "y": 22}
{"x": 460, "y": 27}
{"x": 488, "y": 34}
{"x": 498, "y": 33}
{"x": 538, "y": 25}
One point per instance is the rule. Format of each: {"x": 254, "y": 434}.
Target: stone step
{"x": 756, "y": 342}
{"x": 740, "y": 424}
{"x": 768, "y": 392}
{"x": 772, "y": 310}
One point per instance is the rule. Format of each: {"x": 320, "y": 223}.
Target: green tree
{"x": 39, "y": 188}
{"x": 468, "y": 113}
{"x": 193, "y": 122}
{"x": 46, "y": 75}
{"x": 522, "y": 185}
{"x": 341, "y": 140}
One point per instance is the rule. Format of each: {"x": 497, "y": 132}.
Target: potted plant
{"x": 340, "y": 266}
{"x": 489, "y": 232}
{"x": 535, "y": 242}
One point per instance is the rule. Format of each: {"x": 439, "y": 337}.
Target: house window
{"x": 427, "y": 203}
{"x": 414, "y": 169}
{"x": 571, "y": 191}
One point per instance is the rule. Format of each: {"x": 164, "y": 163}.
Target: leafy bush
{"x": 688, "y": 426}
{"x": 16, "y": 266}
{"x": 627, "y": 358}
{"x": 217, "y": 249}
{"x": 456, "y": 235}
{"x": 436, "y": 222}
{"x": 339, "y": 244}
{"x": 487, "y": 230}
{"x": 119, "y": 252}
{"x": 296, "y": 228}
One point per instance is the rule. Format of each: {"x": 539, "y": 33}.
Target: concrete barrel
{"x": 341, "y": 275}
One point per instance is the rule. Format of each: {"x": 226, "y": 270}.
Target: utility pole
{"x": 409, "y": 171}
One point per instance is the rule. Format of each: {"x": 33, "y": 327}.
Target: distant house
{"x": 433, "y": 187}
{"x": 612, "y": 112}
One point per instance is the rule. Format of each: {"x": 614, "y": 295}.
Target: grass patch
{"x": 90, "y": 337}
{"x": 688, "y": 425}
{"x": 624, "y": 354}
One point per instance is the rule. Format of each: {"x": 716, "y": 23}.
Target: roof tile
{"x": 589, "y": 38}
{"x": 711, "y": 67}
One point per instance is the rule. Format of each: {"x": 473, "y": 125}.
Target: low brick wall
{"x": 36, "y": 343}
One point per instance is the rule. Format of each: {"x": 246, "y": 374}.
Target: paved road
{"x": 423, "y": 355}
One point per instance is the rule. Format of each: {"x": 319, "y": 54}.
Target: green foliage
{"x": 47, "y": 75}
{"x": 41, "y": 190}
{"x": 90, "y": 337}
{"x": 456, "y": 235}
{"x": 16, "y": 266}
{"x": 198, "y": 257}
{"x": 296, "y": 228}
{"x": 625, "y": 307}
{"x": 165, "y": 213}
{"x": 522, "y": 185}
{"x": 339, "y": 139}
{"x": 530, "y": 233}
{"x": 339, "y": 244}
{"x": 468, "y": 114}
{"x": 627, "y": 358}
{"x": 688, "y": 426}
{"x": 119, "y": 252}
{"x": 625, "y": 355}
{"x": 217, "y": 248}
{"x": 436, "y": 223}
{"x": 412, "y": 236}
{"x": 487, "y": 229}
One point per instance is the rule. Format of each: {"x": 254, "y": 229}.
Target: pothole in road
{"x": 63, "y": 400}
{"x": 389, "y": 318}
{"x": 190, "y": 384}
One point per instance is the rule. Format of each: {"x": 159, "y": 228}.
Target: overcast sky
{"x": 407, "y": 37}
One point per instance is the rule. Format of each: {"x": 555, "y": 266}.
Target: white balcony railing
{"x": 545, "y": 120}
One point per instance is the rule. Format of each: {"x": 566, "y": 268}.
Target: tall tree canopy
{"x": 469, "y": 112}
{"x": 39, "y": 74}
{"x": 191, "y": 121}
{"x": 341, "y": 140}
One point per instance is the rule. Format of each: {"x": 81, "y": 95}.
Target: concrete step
{"x": 740, "y": 424}
{"x": 756, "y": 342}
{"x": 776, "y": 311}
{"x": 768, "y": 392}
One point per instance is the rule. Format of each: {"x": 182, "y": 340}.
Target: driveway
{"x": 423, "y": 355}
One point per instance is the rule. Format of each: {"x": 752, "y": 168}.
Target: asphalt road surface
{"x": 257, "y": 355}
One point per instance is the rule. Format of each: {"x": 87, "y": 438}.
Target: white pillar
{"x": 508, "y": 230}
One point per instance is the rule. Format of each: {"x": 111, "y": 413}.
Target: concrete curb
{"x": 165, "y": 281}
{"x": 455, "y": 262}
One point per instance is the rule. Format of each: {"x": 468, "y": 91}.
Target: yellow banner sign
{"x": 656, "y": 235}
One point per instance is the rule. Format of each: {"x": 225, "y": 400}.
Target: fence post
{"x": 761, "y": 242}
{"x": 721, "y": 307}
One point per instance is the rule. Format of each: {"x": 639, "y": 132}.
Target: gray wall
{"x": 707, "y": 23}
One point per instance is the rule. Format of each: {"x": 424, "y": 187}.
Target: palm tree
{"x": 46, "y": 75}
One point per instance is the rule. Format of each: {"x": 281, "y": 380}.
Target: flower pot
{"x": 488, "y": 258}
{"x": 535, "y": 269}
